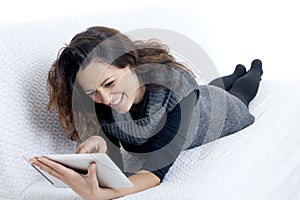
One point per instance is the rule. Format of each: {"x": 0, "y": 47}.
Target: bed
{"x": 261, "y": 161}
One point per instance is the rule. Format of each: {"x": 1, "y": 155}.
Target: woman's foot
{"x": 240, "y": 70}
{"x": 256, "y": 68}
{"x": 226, "y": 82}
{"x": 256, "y": 65}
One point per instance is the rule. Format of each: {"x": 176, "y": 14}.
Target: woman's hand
{"x": 86, "y": 186}
{"x": 94, "y": 144}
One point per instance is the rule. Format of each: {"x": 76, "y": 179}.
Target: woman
{"x": 132, "y": 100}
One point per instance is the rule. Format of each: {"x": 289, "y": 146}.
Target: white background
{"x": 231, "y": 31}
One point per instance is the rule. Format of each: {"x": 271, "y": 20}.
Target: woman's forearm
{"x": 141, "y": 181}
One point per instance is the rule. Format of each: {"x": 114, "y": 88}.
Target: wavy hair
{"x": 65, "y": 94}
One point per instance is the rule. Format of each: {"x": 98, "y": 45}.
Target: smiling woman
{"x": 144, "y": 106}
{"x": 91, "y": 59}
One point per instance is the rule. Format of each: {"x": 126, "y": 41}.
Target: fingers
{"x": 53, "y": 168}
{"x": 40, "y": 162}
{"x": 88, "y": 146}
{"x": 92, "y": 169}
{"x": 94, "y": 144}
{"x": 82, "y": 149}
{"x": 78, "y": 182}
{"x": 92, "y": 175}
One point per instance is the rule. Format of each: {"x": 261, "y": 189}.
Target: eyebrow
{"x": 89, "y": 92}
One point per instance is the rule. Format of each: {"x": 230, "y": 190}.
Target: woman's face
{"x": 116, "y": 87}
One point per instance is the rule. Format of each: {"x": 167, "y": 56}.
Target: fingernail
{"x": 40, "y": 159}
{"x": 31, "y": 160}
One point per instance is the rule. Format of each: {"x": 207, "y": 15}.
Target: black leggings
{"x": 242, "y": 84}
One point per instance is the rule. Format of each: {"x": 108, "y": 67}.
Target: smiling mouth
{"x": 118, "y": 100}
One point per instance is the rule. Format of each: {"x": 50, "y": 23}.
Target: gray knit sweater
{"x": 177, "y": 113}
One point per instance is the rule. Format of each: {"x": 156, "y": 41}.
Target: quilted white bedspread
{"x": 259, "y": 162}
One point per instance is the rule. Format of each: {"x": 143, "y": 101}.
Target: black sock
{"x": 226, "y": 82}
{"x": 246, "y": 87}
{"x": 256, "y": 67}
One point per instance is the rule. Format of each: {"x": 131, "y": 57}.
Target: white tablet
{"x": 108, "y": 173}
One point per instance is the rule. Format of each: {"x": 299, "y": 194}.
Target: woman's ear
{"x": 132, "y": 68}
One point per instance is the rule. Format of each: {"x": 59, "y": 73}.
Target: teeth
{"x": 118, "y": 100}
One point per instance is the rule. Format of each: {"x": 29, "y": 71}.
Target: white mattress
{"x": 259, "y": 162}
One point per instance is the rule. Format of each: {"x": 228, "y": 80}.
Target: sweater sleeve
{"x": 162, "y": 149}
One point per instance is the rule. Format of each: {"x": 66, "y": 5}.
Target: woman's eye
{"x": 109, "y": 84}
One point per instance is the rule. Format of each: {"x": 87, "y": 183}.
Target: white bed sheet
{"x": 259, "y": 162}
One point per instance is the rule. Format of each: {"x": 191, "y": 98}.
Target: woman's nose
{"x": 103, "y": 96}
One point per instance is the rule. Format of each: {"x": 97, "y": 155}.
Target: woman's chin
{"x": 124, "y": 106}
{"x": 122, "y": 109}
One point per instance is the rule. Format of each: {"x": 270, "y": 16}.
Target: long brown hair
{"x": 120, "y": 51}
